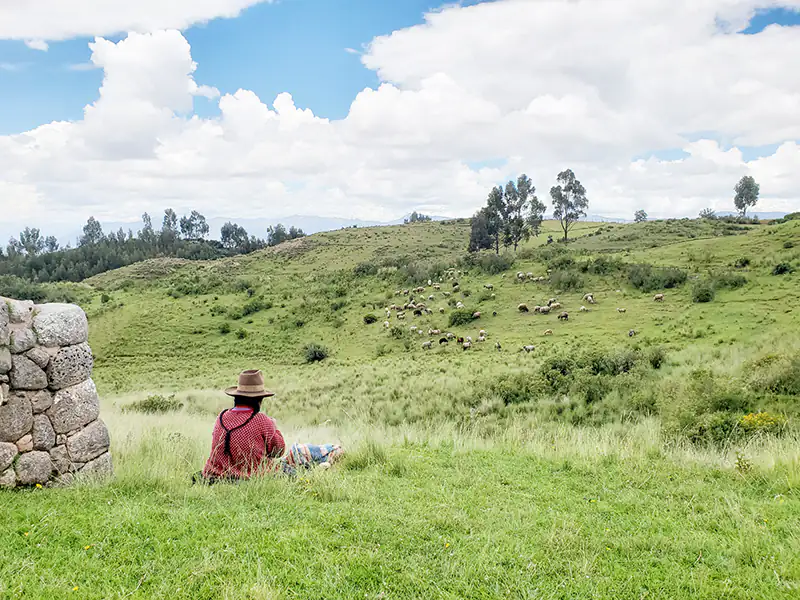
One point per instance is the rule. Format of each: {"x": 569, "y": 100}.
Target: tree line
{"x": 514, "y": 213}
{"x": 39, "y": 258}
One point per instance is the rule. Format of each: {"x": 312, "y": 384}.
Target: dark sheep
{"x": 460, "y": 340}
{"x": 564, "y": 316}
{"x": 443, "y": 340}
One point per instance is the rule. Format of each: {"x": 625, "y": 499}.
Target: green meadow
{"x": 650, "y": 453}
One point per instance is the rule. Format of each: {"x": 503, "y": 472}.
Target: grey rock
{"x": 90, "y": 443}
{"x": 40, "y": 356}
{"x": 60, "y": 325}
{"x": 3, "y": 378}
{"x": 44, "y": 437}
{"x": 34, "y": 467}
{"x": 21, "y": 339}
{"x": 100, "y": 467}
{"x": 8, "y": 479}
{"x": 7, "y": 454}
{"x": 16, "y": 418}
{"x": 5, "y": 360}
{"x": 4, "y": 320}
{"x": 60, "y": 458}
{"x": 61, "y": 438}
{"x": 25, "y": 443}
{"x": 40, "y": 401}
{"x": 19, "y": 311}
{"x": 5, "y": 391}
{"x": 26, "y": 375}
{"x": 74, "y": 407}
{"x": 63, "y": 480}
{"x": 71, "y": 365}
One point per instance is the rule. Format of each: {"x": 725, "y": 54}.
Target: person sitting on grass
{"x": 246, "y": 442}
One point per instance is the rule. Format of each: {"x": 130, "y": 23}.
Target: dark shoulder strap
{"x": 229, "y": 431}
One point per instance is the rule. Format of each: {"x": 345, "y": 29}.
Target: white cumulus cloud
{"x": 37, "y": 45}
{"x": 473, "y": 96}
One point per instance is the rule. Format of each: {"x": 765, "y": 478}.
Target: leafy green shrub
{"x": 702, "y": 292}
{"x": 241, "y": 333}
{"x": 611, "y": 363}
{"x": 370, "y": 319}
{"x": 516, "y": 388}
{"x": 656, "y": 356}
{"x": 155, "y": 404}
{"x": 397, "y": 332}
{"x": 315, "y": 353}
{"x": 775, "y": 374}
{"x": 338, "y": 305}
{"x": 730, "y": 281}
{"x": 556, "y": 372}
{"x": 487, "y": 262}
{"x": 601, "y": 265}
{"x": 225, "y": 328}
{"x": 460, "y": 317}
{"x": 782, "y": 269}
{"x": 762, "y": 422}
{"x": 217, "y": 310}
{"x": 560, "y": 262}
{"x": 742, "y": 262}
{"x": 105, "y": 298}
{"x": 255, "y": 305}
{"x": 648, "y": 278}
{"x": 788, "y": 244}
{"x": 566, "y": 280}
{"x": 365, "y": 269}
{"x": 712, "y": 428}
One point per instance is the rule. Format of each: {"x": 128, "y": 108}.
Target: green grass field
{"x": 599, "y": 465}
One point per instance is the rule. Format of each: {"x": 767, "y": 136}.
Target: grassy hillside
{"x": 660, "y": 465}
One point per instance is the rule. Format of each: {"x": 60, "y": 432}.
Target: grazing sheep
{"x": 456, "y": 289}
{"x": 449, "y": 335}
{"x": 530, "y": 275}
{"x": 443, "y": 340}
{"x": 520, "y": 275}
{"x": 431, "y": 298}
{"x": 488, "y": 286}
{"x": 492, "y": 296}
{"x": 589, "y": 298}
{"x": 481, "y": 339}
{"x": 441, "y": 310}
{"x": 584, "y": 309}
{"x": 434, "y": 332}
{"x": 555, "y": 306}
{"x": 386, "y": 324}
{"x": 564, "y": 316}
{"x": 426, "y": 345}
{"x": 482, "y": 333}
{"x": 417, "y": 312}
{"x": 494, "y": 313}
{"x": 622, "y": 310}
{"x": 497, "y": 346}
{"x": 551, "y": 301}
{"x": 631, "y": 333}
{"x": 543, "y": 310}
{"x": 430, "y": 282}
{"x": 401, "y": 315}
{"x": 467, "y": 345}
{"x": 460, "y": 340}
{"x": 436, "y": 286}
{"x": 398, "y": 292}
{"x": 413, "y": 328}
{"x": 405, "y": 292}
{"x": 455, "y": 284}
{"x": 476, "y": 315}
{"x": 658, "y": 298}
{"x": 468, "y": 338}
{"x": 459, "y": 304}
{"x": 420, "y": 332}
{"x": 446, "y": 294}
{"x": 548, "y": 332}
{"x": 529, "y": 349}
{"x": 523, "y": 308}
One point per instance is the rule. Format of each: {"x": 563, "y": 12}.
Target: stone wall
{"x": 49, "y": 408}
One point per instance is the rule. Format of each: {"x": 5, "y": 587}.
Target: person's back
{"x": 243, "y": 443}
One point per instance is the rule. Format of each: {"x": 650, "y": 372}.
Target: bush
{"x": 516, "y": 388}
{"x": 315, "y": 353}
{"x": 337, "y": 305}
{"x": 255, "y": 305}
{"x": 557, "y": 371}
{"x": 397, "y": 332}
{"x": 742, "y": 262}
{"x": 762, "y": 422}
{"x": 241, "y": 333}
{"x": 487, "y": 262}
{"x": 702, "y": 292}
{"x": 730, "y": 281}
{"x": 370, "y": 319}
{"x": 782, "y": 269}
{"x": 788, "y": 244}
{"x": 460, "y": 317}
{"x": 611, "y": 363}
{"x": 647, "y": 278}
{"x": 601, "y": 266}
{"x": 712, "y": 428}
{"x": 105, "y": 298}
{"x": 560, "y": 262}
{"x": 566, "y": 280}
{"x": 155, "y": 404}
{"x": 365, "y": 269}
{"x": 217, "y": 310}
{"x": 656, "y": 356}
{"x": 225, "y": 328}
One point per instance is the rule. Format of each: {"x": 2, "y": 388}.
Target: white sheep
{"x": 529, "y": 348}
{"x": 584, "y": 309}
{"x": 555, "y": 306}
{"x": 431, "y": 298}
{"x": 482, "y": 338}
{"x": 468, "y": 338}
{"x": 450, "y": 335}
{"x": 488, "y": 286}
{"x": 482, "y": 332}
{"x": 658, "y": 298}
{"x": 426, "y": 345}
{"x": 459, "y": 304}
{"x": 413, "y": 329}
{"x": 497, "y": 346}
{"x": 621, "y": 310}
{"x": 467, "y": 345}
{"x": 386, "y": 324}
{"x": 548, "y": 332}
{"x": 441, "y": 310}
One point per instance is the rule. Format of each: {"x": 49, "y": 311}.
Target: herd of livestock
{"x": 418, "y": 308}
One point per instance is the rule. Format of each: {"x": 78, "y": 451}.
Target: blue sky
{"x": 291, "y": 45}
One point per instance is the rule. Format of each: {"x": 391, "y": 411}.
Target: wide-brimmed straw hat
{"x": 251, "y": 385}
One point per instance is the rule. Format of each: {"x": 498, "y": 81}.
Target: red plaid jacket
{"x": 253, "y": 441}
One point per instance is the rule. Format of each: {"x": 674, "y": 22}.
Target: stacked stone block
{"x": 49, "y": 409}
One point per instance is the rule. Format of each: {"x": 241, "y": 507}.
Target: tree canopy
{"x": 569, "y": 200}
{"x": 747, "y": 191}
